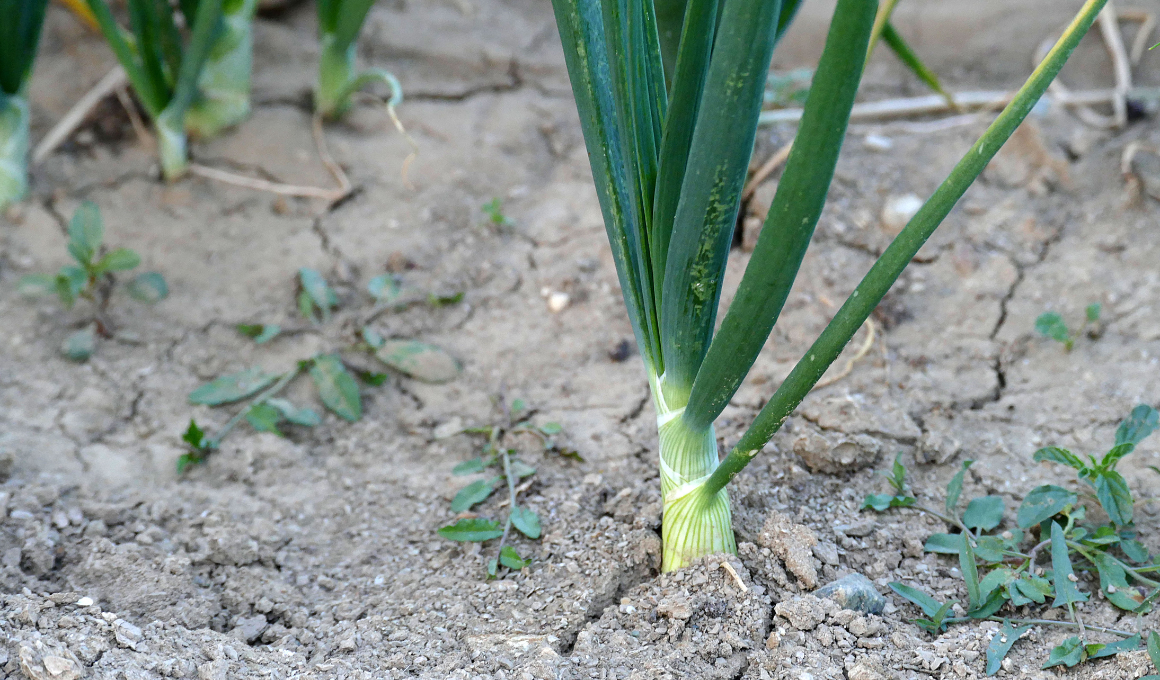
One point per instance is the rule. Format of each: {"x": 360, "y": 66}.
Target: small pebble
{"x": 85, "y": 602}
{"x": 557, "y": 301}
{"x": 878, "y": 143}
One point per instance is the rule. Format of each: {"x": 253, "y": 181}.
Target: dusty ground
{"x": 315, "y": 556}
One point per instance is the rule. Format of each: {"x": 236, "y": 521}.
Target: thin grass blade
{"x": 797, "y": 205}
{"x": 719, "y": 156}
{"x": 146, "y": 27}
{"x": 898, "y": 254}
{"x": 908, "y": 56}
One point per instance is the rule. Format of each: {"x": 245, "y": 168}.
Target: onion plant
{"x": 20, "y": 25}
{"x": 339, "y": 23}
{"x": 669, "y": 156}
{"x": 224, "y": 87}
{"x": 164, "y": 63}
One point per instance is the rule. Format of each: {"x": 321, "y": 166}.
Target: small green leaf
{"x": 306, "y": 307}
{"x": 990, "y": 604}
{"x": 86, "y": 231}
{"x": 1051, "y": 325}
{"x": 1154, "y": 649}
{"x": 1128, "y": 644}
{"x": 264, "y": 418}
{"x": 898, "y": 474}
{"x": 321, "y": 294}
{"x": 1066, "y": 591}
{"x": 36, "y": 284}
{"x": 989, "y": 549}
{"x": 233, "y": 387}
{"x": 1035, "y": 588}
{"x": 372, "y": 337}
{"x": 1114, "y": 455}
{"x": 1115, "y": 496}
{"x": 936, "y": 623}
{"x": 1001, "y": 644}
{"x": 444, "y": 299}
{"x": 195, "y": 437}
{"x": 884, "y": 501}
{"x": 149, "y": 287}
{"x": 260, "y": 333}
{"x": 1092, "y": 312}
{"x": 384, "y": 288}
{"x": 469, "y": 467}
{"x": 474, "y": 530}
{"x": 474, "y": 493}
{"x": 955, "y": 487}
{"x": 997, "y": 579}
{"x": 984, "y": 513}
{"x": 518, "y": 406}
{"x": 79, "y": 346}
{"x": 970, "y": 571}
{"x": 943, "y": 544}
{"x": 926, "y": 603}
{"x": 1142, "y": 422}
{"x": 509, "y": 558}
{"x": 336, "y": 386}
{"x": 419, "y": 360}
{"x": 1069, "y": 653}
{"x": 299, "y": 416}
{"x": 1134, "y": 550}
{"x": 1058, "y": 455}
{"x": 188, "y": 460}
{"x": 121, "y": 259}
{"x": 1114, "y": 582}
{"x": 527, "y": 521}
{"x": 69, "y": 283}
{"x": 371, "y": 378}
{"x": 550, "y": 429}
{"x": 1044, "y": 502}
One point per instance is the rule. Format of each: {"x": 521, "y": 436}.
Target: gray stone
{"x": 250, "y": 628}
{"x": 854, "y": 592}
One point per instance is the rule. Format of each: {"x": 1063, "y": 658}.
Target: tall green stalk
{"x": 669, "y": 154}
{"x": 224, "y": 86}
{"x": 21, "y": 22}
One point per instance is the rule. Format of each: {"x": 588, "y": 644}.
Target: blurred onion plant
{"x": 669, "y": 93}
{"x": 339, "y": 23}
{"x": 20, "y": 26}
{"x": 164, "y": 57}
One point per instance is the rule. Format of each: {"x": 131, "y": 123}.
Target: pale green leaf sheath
{"x": 224, "y": 85}
{"x": 13, "y": 148}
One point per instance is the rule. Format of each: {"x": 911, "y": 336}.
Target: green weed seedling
{"x": 1051, "y": 325}
{"x": 335, "y": 379}
{"x": 93, "y": 279}
{"x": 495, "y": 215}
{"x": 501, "y": 467}
{"x": 1057, "y": 523}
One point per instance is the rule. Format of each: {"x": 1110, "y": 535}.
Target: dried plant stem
{"x": 64, "y": 128}
{"x": 775, "y": 161}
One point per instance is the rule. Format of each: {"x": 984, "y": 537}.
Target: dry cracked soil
{"x": 315, "y": 555}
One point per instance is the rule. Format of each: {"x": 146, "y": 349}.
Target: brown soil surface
{"x": 314, "y": 556}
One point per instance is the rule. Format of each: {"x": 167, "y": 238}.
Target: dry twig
{"x": 72, "y": 120}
